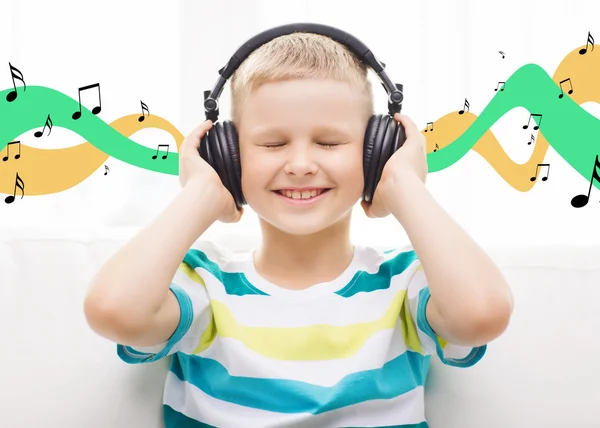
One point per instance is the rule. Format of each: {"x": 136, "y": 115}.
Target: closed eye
{"x": 270, "y": 146}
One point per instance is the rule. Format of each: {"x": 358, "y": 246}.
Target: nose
{"x": 300, "y": 159}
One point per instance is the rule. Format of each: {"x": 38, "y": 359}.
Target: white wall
{"x": 167, "y": 53}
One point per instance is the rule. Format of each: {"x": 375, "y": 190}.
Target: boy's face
{"x": 300, "y": 115}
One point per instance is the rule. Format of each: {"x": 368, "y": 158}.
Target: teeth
{"x": 307, "y": 194}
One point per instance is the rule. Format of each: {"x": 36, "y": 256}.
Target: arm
{"x": 129, "y": 300}
{"x": 470, "y": 301}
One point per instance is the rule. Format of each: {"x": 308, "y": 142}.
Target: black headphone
{"x": 219, "y": 146}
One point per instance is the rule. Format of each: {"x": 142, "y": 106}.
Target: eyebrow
{"x": 326, "y": 128}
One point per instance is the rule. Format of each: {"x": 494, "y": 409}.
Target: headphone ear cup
{"x": 369, "y": 142}
{"x": 211, "y": 150}
{"x": 373, "y": 144}
{"x": 388, "y": 142}
{"x": 234, "y": 166}
{"x": 223, "y": 156}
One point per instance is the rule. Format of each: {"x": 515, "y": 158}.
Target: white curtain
{"x": 167, "y": 53}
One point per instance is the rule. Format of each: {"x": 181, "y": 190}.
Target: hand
{"x": 409, "y": 159}
{"x": 195, "y": 171}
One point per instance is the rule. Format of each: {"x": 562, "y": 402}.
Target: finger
{"x": 192, "y": 142}
{"x": 410, "y": 127}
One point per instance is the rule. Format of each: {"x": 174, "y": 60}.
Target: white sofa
{"x": 543, "y": 372}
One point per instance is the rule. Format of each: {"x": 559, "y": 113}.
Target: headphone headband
{"x": 364, "y": 54}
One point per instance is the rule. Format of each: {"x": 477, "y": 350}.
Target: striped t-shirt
{"x": 353, "y": 352}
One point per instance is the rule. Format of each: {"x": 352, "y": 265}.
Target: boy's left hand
{"x": 411, "y": 158}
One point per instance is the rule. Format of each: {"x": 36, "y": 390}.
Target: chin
{"x": 298, "y": 228}
{"x": 303, "y": 221}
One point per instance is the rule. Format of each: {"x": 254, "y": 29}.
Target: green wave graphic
{"x": 568, "y": 128}
{"x": 34, "y": 104}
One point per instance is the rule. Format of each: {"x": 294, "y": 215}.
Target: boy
{"x": 308, "y": 330}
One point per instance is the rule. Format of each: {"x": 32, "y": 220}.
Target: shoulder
{"x": 206, "y": 253}
{"x": 379, "y": 268}
{"x": 393, "y": 261}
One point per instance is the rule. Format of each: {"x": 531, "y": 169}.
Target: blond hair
{"x": 296, "y": 56}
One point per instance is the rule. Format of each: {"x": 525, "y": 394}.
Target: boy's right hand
{"x": 195, "y": 171}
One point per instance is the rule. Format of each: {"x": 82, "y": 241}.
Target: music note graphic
{"x": 106, "y": 170}
{"x": 582, "y": 200}
{"x": 531, "y": 141}
{"x": 436, "y": 148}
{"x": 12, "y": 95}
{"x": 18, "y": 184}
{"x": 590, "y": 39}
{"x": 561, "y": 90}
{"x": 502, "y": 53}
{"x": 144, "y": 107}
{"x": 429, "y": 123}
{"x": 96, "y": 109}
{"x": 499, "y": 86}
{"x": 159, "y": 146}
{"x": 536, "y": 127}
{"x": 466, "y": 106}
{"x": 17, "y": 156}
{"x": 536, "y": 172}
{"x": 38, "y": 134}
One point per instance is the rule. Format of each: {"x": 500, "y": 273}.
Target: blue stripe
{"x": 236, "y": 283}
{"x": 398, "y": 376}
{"x": 474, "y": 356}
{"x": 231, "y": 281}
{"x": 367, "y": 282}
{"x": 175, "y": 419}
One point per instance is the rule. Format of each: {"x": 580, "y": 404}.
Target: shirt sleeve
{"x": 195, "y": 326}
{"x": 417, "y": 298}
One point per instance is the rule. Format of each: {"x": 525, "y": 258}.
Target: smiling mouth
{"x": 305, "y": 195}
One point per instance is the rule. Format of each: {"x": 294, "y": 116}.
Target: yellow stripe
{"x": 209, "y": 333}
{"x": 315, "y": 342}
{"x": 192, "y": 274}
{"x": 440, "y": 340}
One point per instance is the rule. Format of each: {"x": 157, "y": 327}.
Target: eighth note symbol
{"x": 17, "y": 156}
{"x": 536, "y": 127}
{"x": 582, "y": 200}
{"x": 502, "y": 53}
{"x": 536, "y": 172}
{"x": 106, "y": 170}
{"x": 466, "y": 106}
{"x": 12, "y": 95}
{"x": 18, "y": 184}
{"x": 159, "y": 146}
{"x": 590, "y": 39}
{"x": 561, "y": 90}
{"x": 144, "y": 107}
{"x": 38, "y": 134}
{"x": 96, "y": 109}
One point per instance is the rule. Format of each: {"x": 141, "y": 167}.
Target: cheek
{"x": 256, "y": 174}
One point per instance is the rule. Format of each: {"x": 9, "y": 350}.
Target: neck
{"x": 327, "y": 252}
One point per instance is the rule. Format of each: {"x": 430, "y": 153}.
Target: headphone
{"x": 219, "y": 146}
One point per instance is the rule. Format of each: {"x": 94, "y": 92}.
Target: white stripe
{"x": 332, "y": 309}
{"x": 187, "y": 399}
{"x": 380, "y": 348}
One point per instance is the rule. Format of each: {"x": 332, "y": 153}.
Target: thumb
{"x": 192, "y": 142}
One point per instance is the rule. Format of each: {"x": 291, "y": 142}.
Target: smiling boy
{"x": 308, "y": 329}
